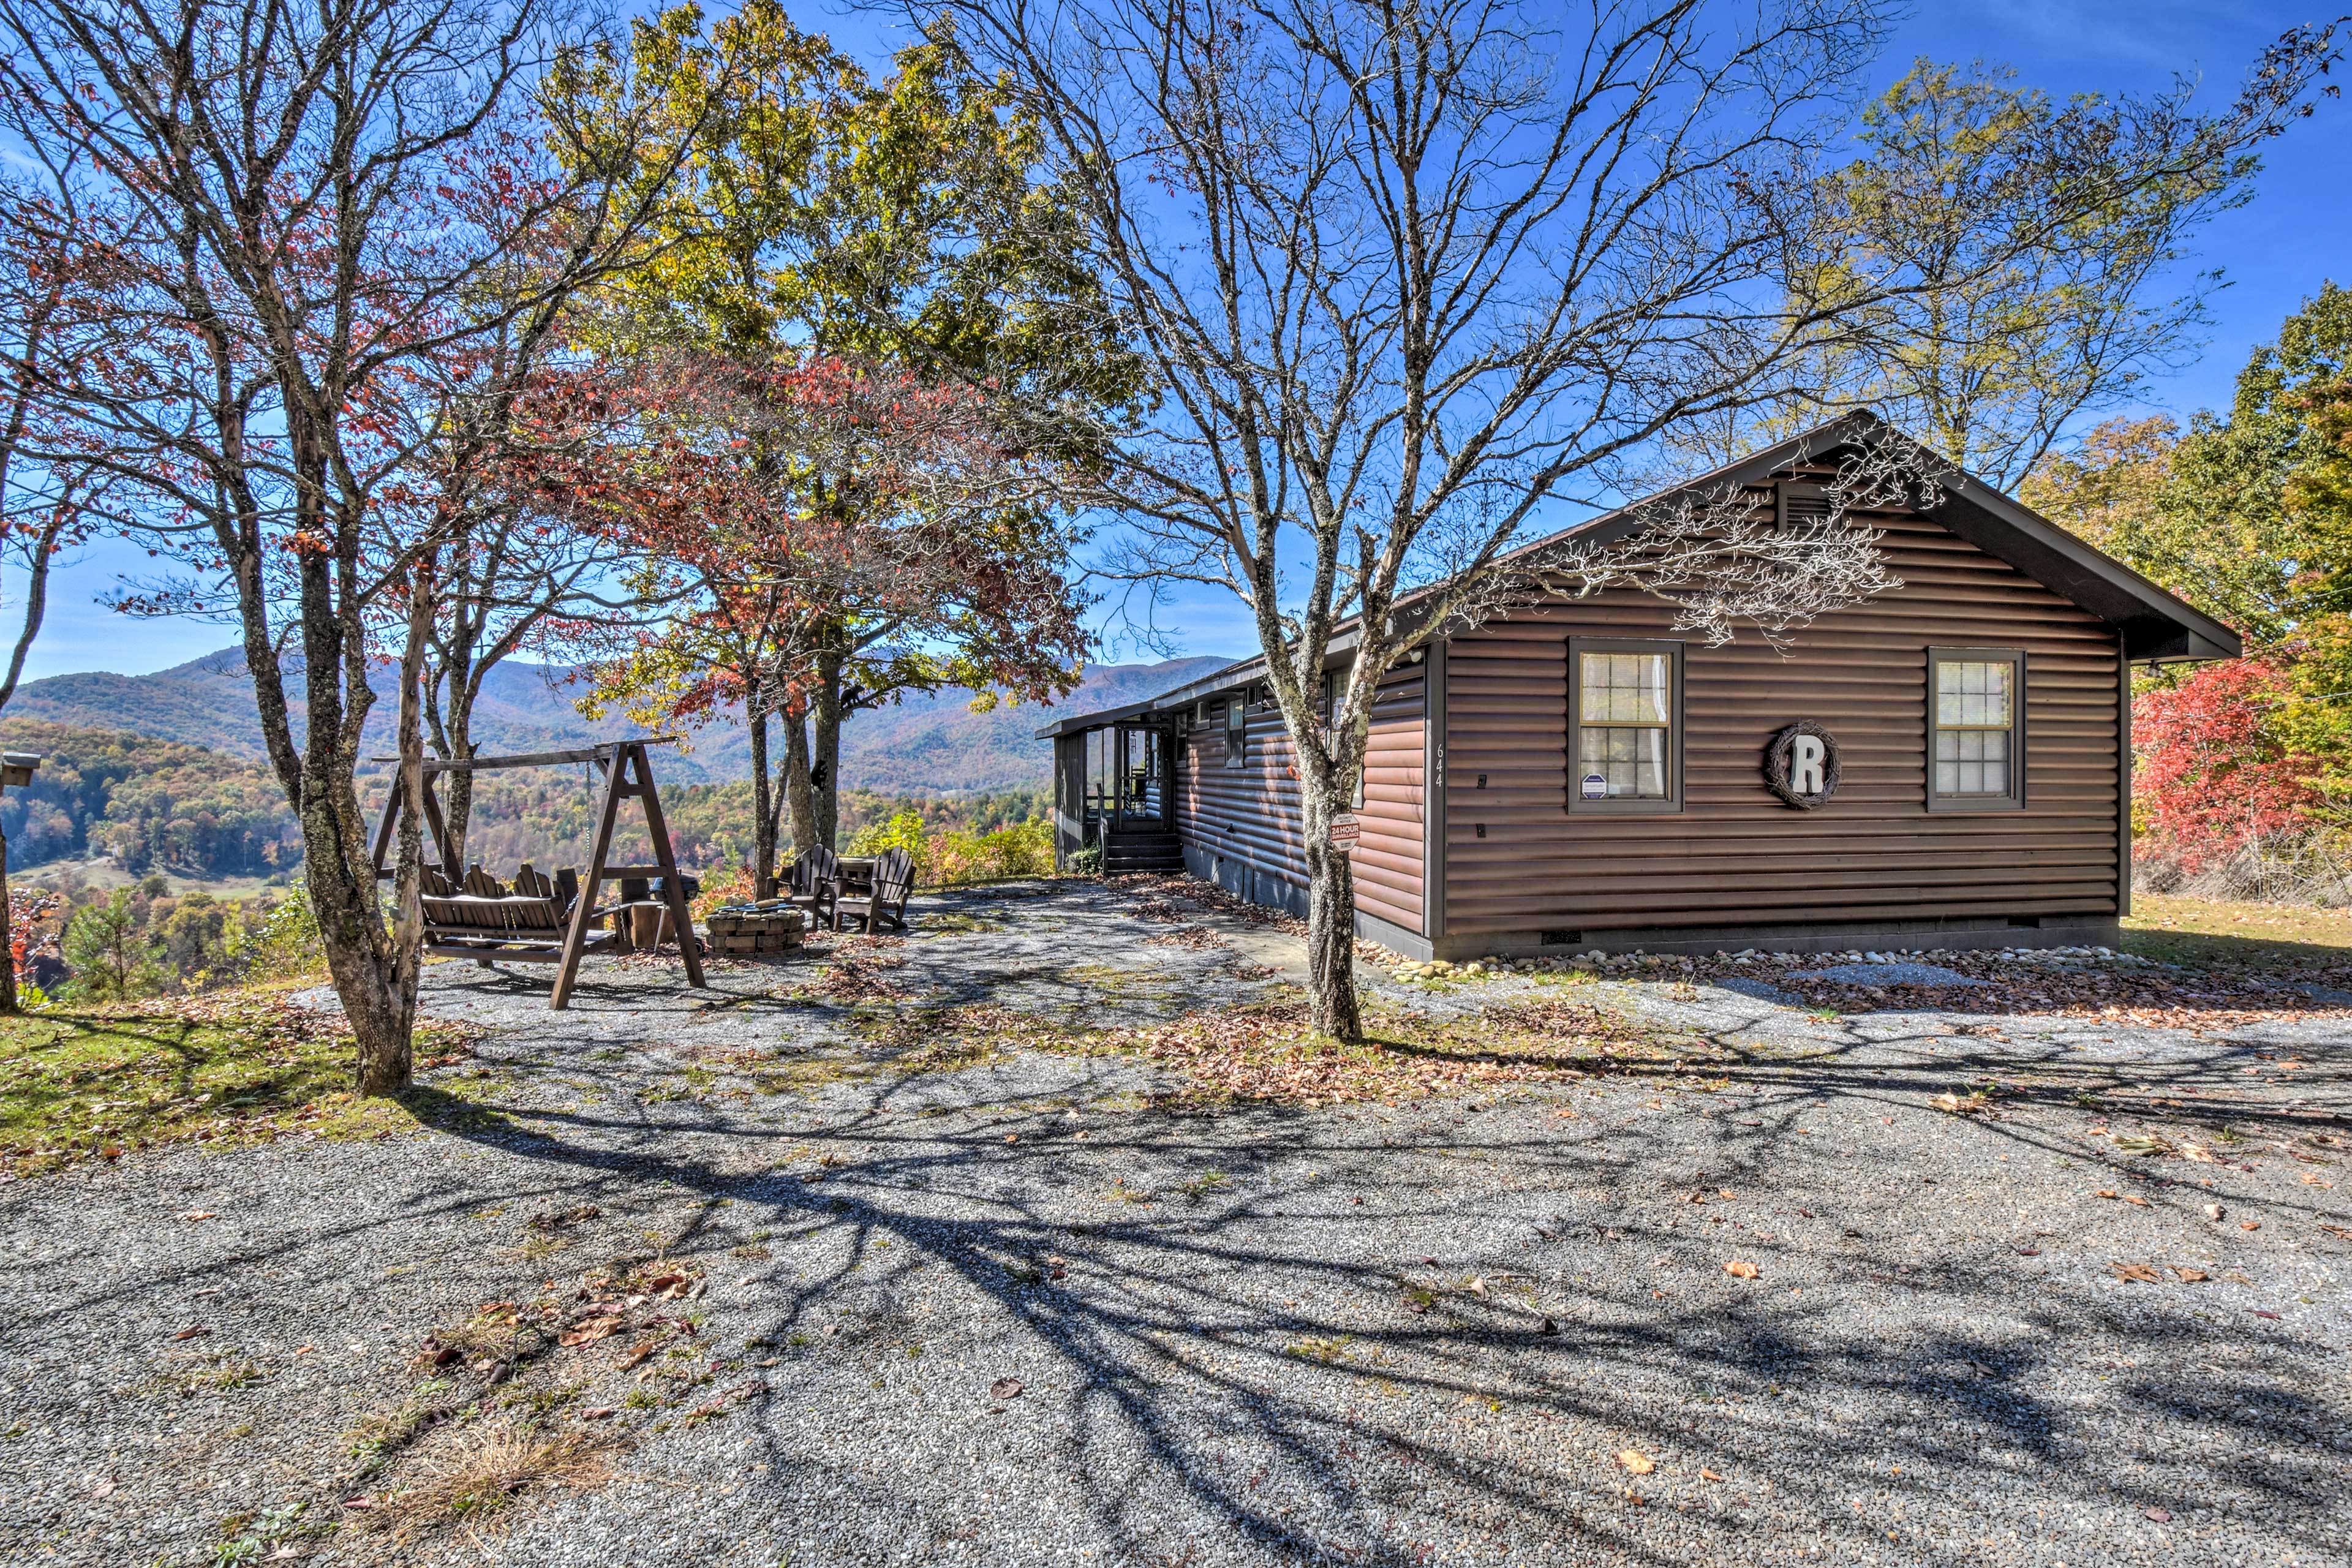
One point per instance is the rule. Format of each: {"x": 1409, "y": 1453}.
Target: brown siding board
{"x": 1734, "y": 855}
{"x": 1251, "y": 814}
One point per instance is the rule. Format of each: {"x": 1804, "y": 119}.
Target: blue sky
{"x": 2274, "y": 253}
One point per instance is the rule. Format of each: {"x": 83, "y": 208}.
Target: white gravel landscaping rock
{"x": 1886, "y": 973}
{"x": 1409, "y": 1334}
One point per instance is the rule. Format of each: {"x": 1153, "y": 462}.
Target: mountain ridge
{"x": 925, "y": 743}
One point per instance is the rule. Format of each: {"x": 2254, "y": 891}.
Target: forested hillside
{"x": 149, "y": 803}
{"x": 923, "y": 745}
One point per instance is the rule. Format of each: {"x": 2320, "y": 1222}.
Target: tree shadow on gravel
{"x": 1267, "y": 1344}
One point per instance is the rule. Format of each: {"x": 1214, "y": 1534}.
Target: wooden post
{"x": 433, "y": 822}
{"x": 681, "y": 917}
{"x": 592, "y": 886}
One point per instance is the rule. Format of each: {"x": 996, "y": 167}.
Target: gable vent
{"x": 1803, "y": 503}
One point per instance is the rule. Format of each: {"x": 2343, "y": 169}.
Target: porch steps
{"x": 1142, "y": 849}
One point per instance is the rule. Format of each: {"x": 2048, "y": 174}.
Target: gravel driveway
{"x": 897, "y": 1290}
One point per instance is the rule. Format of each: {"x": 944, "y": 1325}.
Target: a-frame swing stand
{"x": 529, "y": 929}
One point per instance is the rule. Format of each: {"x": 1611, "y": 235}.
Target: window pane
{"x": 1630, "y": 760}
{"x": 1972, "y": 761}
{"x": 1622, "y": 688}
{"x": 1973, "y": 692}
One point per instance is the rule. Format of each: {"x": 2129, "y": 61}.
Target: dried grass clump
{"x": 479, "y": 1470}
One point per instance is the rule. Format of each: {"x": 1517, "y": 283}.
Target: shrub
{"x": 282, "y": 945}
{"x": 957, "y": 855}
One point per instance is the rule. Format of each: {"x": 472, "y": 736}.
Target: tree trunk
{"x": 763, "y": 816}
{"x": 375, "y": 971}
{"x": 1330, "y": 915}
{"x": 827, "y": 760}
{"x": 800, "y": 796}
{"x": 457, "y": 803}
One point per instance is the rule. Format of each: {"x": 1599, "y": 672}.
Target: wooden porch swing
{"x": 468, "y": 915}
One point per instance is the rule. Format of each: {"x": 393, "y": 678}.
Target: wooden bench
{"x": 486, "y": 920}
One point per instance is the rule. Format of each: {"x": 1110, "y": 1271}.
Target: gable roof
{"x": 2155, "y": 623}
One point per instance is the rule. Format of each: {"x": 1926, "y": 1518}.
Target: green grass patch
{"x": 2241, "y": 932}
{"x": 76, "y": 1085}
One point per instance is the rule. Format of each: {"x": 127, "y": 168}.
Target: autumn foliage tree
{"x": 2215, "y": 768}
{"x": 2247, "y": 514}
{"x": 894, "y": 221}
{"x": 765, "y": 502}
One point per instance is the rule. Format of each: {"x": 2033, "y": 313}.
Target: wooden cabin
{"x": 1944, "y": 765}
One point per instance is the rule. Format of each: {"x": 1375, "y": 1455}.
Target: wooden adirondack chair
{"x": 813, "y": 883}
{"x": 894, "y": 880}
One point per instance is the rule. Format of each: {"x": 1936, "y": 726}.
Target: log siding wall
{"x": 1242, "y": 828}
{"x": 1736, "y": 856}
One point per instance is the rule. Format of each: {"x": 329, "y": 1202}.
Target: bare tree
{"x": 300, "y": 210}
{"x": 1412, "y": 274}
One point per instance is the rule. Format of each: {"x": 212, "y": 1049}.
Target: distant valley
{"x": 924, "y": 744}
{"x": 165, "y": 770}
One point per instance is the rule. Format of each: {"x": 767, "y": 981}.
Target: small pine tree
{"x": 109, "y": 954}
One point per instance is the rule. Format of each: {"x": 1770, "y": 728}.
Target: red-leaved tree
{"x": 796, "y": 515}
{"x": 2211, "y": 769}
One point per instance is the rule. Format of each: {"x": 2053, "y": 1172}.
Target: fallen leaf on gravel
{"x": 1477, "y": 1287}
{"x": 2143, "y": 1144}
{"x": 2029, "y": 1252}
{"x": 2197, "y": 1151}
{"x": 1636, "y": 1462}
{"x": 1708, "y": 1476}
{"x": 2190, "y": 1275}
{"x": 194, "y": 1216}
{"x": 191, "y": 1331}
{"x": 2273, "y": 1317}
{"x": 2344, "y": 1231}
{"x": 2140, "y": 1272}
{"x": 111, "y": 1152}
{"x": 2136, "y": 1201}
{"x": 2106, "y": 1192}
{"x": 1740, "y": 1269}
{"x": 2161, "y": 1515}
{"x": 636, "y": 1354}
{"x": 590, "y": 1332}
{"x": 2234, "y": 1278}
{"x": 2311, "y": 1181}
{"x": 602, "y": 1413}
{"x": 1005, "y": 1388}
{"x": 2249, "y": 1224}
{"x": 661, "y": 1282}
